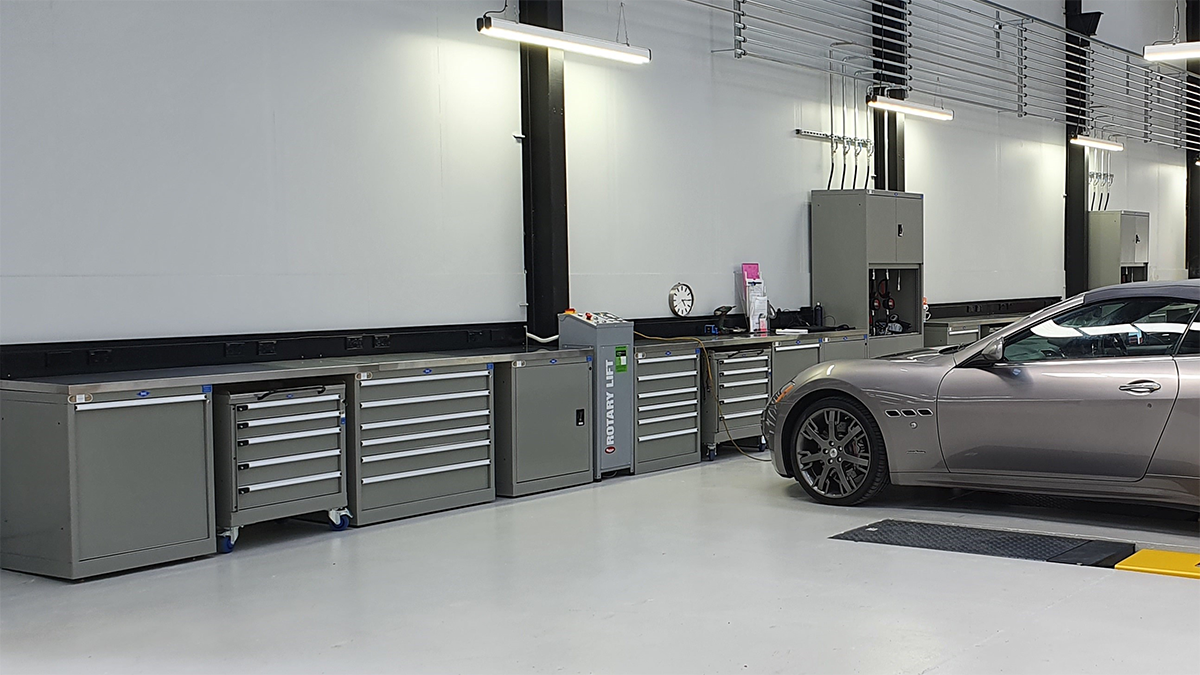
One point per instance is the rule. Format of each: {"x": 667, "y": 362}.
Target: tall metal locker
{"x": 868, "y": 264}
{"x": 543, "y": 423}
{"x": 1118, "y": 247}
{"x": 280, "y": 452}
{"x": 667, "y": 406}
{"x": 421, "y": 440}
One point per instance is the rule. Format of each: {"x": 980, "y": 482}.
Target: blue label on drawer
{"x": 491, "y": 366}
{"x": 143, "y": 394}
{"x": 428, "y": 371}
{"x": 342, "y": 420}
{"x": 589, "y": 359}
{"x": 291, "y": 396}
{"x": 668, "y": 353}
{"x": 207, "y": 389}
{"x": 553, "y": 361}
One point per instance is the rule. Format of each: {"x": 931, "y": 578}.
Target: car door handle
{"x": 1141, "y": 387}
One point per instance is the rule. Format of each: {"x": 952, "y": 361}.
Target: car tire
{"x": 856, "y": 437}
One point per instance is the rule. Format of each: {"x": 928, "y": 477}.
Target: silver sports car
{"x": 1097, "y": 396}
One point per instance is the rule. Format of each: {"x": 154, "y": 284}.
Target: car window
{"x": 1191, "y": 339}
{"x": 1108, "y": 329}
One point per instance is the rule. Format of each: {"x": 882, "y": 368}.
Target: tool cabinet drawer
{"x": 384, "y": 386}
{"x": 417, "y": 459}
{"x": 667, "y": 407}
{"x": 405, "y": 487}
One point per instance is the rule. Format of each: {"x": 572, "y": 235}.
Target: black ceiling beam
{"x": 1075, "y": 212}
{"x": 544, "y": 168}
{"x": 890, "y": 18}
{"x": 1192, "y": 232}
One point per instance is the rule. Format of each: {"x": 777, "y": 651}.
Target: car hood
{"x": 928, "y": 355}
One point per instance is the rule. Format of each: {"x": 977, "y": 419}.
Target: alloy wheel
{"x": 832, "y": 452}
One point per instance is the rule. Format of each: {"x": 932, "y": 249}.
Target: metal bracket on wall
{"x": 864, "y": 143}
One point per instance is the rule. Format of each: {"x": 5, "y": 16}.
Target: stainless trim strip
{"x": 749, "y": 413}
{"x": 668, "y": 392}
{"x": 668, "y": 418}
{"x": 424, "y": 399}
{"x": 425, "y": 420}
{"x": 665, "y": 359}
{"x": 426, "y": 378}
{"x": 739, "y": 399}
{"x": 139, "y": 402}
{"x": 745, "y": 371}
{"x": 290, "y": 401}
{"x": 675, "y": 404}
{"x": 292, "y": 436}
{"x": 791, "y": 348}
{"x": 425, "y": 472}
{"x": 424, "y": 451}
{"x": 666, "y": 376}
{"x": 269, "y": 421}
{"x": 289, "y": 481}
{"x": 669, "y": 434}
{"x": 427, "y": 434}
{"x": 744, "y": 383}
{"x": 745, "y": 359}
{"x": 288, "y": 459}
{"x": 965, "y": 331}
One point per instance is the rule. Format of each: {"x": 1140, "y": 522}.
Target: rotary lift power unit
{"x": 611, "y": 339}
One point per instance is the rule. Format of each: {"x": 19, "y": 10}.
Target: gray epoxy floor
{"x": 717, "y": 568}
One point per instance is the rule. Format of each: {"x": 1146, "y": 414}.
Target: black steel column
{"x": 547, "y": 280}
{"x": 1192, "y": 236}
{"x": 1075, "y": 248}
{"x": 891, "y": 76}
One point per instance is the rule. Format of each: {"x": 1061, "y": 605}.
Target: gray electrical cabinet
{"x": 544, "y": 423}
{"x": 868, "y": 264}
{"x": 668, "y": 406}
{"x": 94, "y": 483}
{"x": 421, "y": 439}
{"x": 735, "y": 396}
{"x": 611, "y": 340}
{"x": 1118, "y": 247}
{"x": 280, "y": 452}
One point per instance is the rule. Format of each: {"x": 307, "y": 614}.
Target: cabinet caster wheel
{"x": 342, "y": 523}
{"x": 224, "y": 544}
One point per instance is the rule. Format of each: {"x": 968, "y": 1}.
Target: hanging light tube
{"x": 910, "y": 108}
{"x": 1177, "y": 51}
{"x": 1098, "y": 143}
{"x": 556, "y": 39}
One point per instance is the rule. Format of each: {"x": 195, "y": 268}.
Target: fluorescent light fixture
{"x": 1098, "y": 143}
{"x": 556, "y": 39}
{"x": 910, "y": 108}
{"x": 1178, "y": 51}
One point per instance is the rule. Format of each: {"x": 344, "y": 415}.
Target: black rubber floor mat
{"x": 998, "y": 543}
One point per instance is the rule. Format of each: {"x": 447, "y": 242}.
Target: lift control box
{"x": 611, "y": 339}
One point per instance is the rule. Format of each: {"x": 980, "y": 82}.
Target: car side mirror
{"x": 993, "y": 352}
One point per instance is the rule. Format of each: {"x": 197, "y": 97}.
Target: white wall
{"x": 191, "y": 167}
{"x": 1133, "y": 24}
{"x": 1153, "y": 178}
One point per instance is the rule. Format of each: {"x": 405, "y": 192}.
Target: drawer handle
{"x": 427, "y": 434}
{"x": 425, "y": 472}
{"x": 137, "y": 403}
{"x": 734, "y": 416}
{"x": 745, "y": 371}
{"x": 269, "y": 421}
{"x": 668, "y": 418}
{"x": 425, "y": 399}
{"x": 664, "y": 406}
{"x": 290, "y": 401}
{"x": 665, "y": 359}
{"x": 424, "y": 451}
{"x": 289, "y": 481}
{"x": 668, "y": 392}
{"x": 288, "y": 459}
{"x": 668, "y": 434}
{"x": 739, "y": 399}
{"x": 745, "y": 359}
{"x": 425, "y": 378}
{"x": 667, "y": 376}
{"x": 746, "y": 383}
{"x": 964, "y": 332}
{"x": 426, "y": 420}
{"x": 791, "y": 348}
{"x": 289, "y": 437}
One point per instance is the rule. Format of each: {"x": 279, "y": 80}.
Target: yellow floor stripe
{"x": 1174, "y": 563}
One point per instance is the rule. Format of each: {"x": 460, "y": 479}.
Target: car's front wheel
{"x": 838, "y": 452}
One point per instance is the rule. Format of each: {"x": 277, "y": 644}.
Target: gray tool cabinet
{"x": 95, "y": 480}
{"x": 667, "y": 406}
{"x": 543, "y": 423}
{"x": 843, "y": 346}
{"x": 963, "y": 330}
{"x": 792, "y": 356}
{"x": 280, "y": 452}
{"x": 735, "y": 396}
{"x": 1118, "y": 247}
{"x": 421, "y": 439}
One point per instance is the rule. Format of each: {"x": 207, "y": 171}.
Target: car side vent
{"x": 909, "y": 413}
{"x": 892, "y": 413}
{"x": 925, "y": 412}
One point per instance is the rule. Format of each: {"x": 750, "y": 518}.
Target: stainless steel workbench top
{"x": 738, "y": 340}
{"x": 251, "y": 372}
